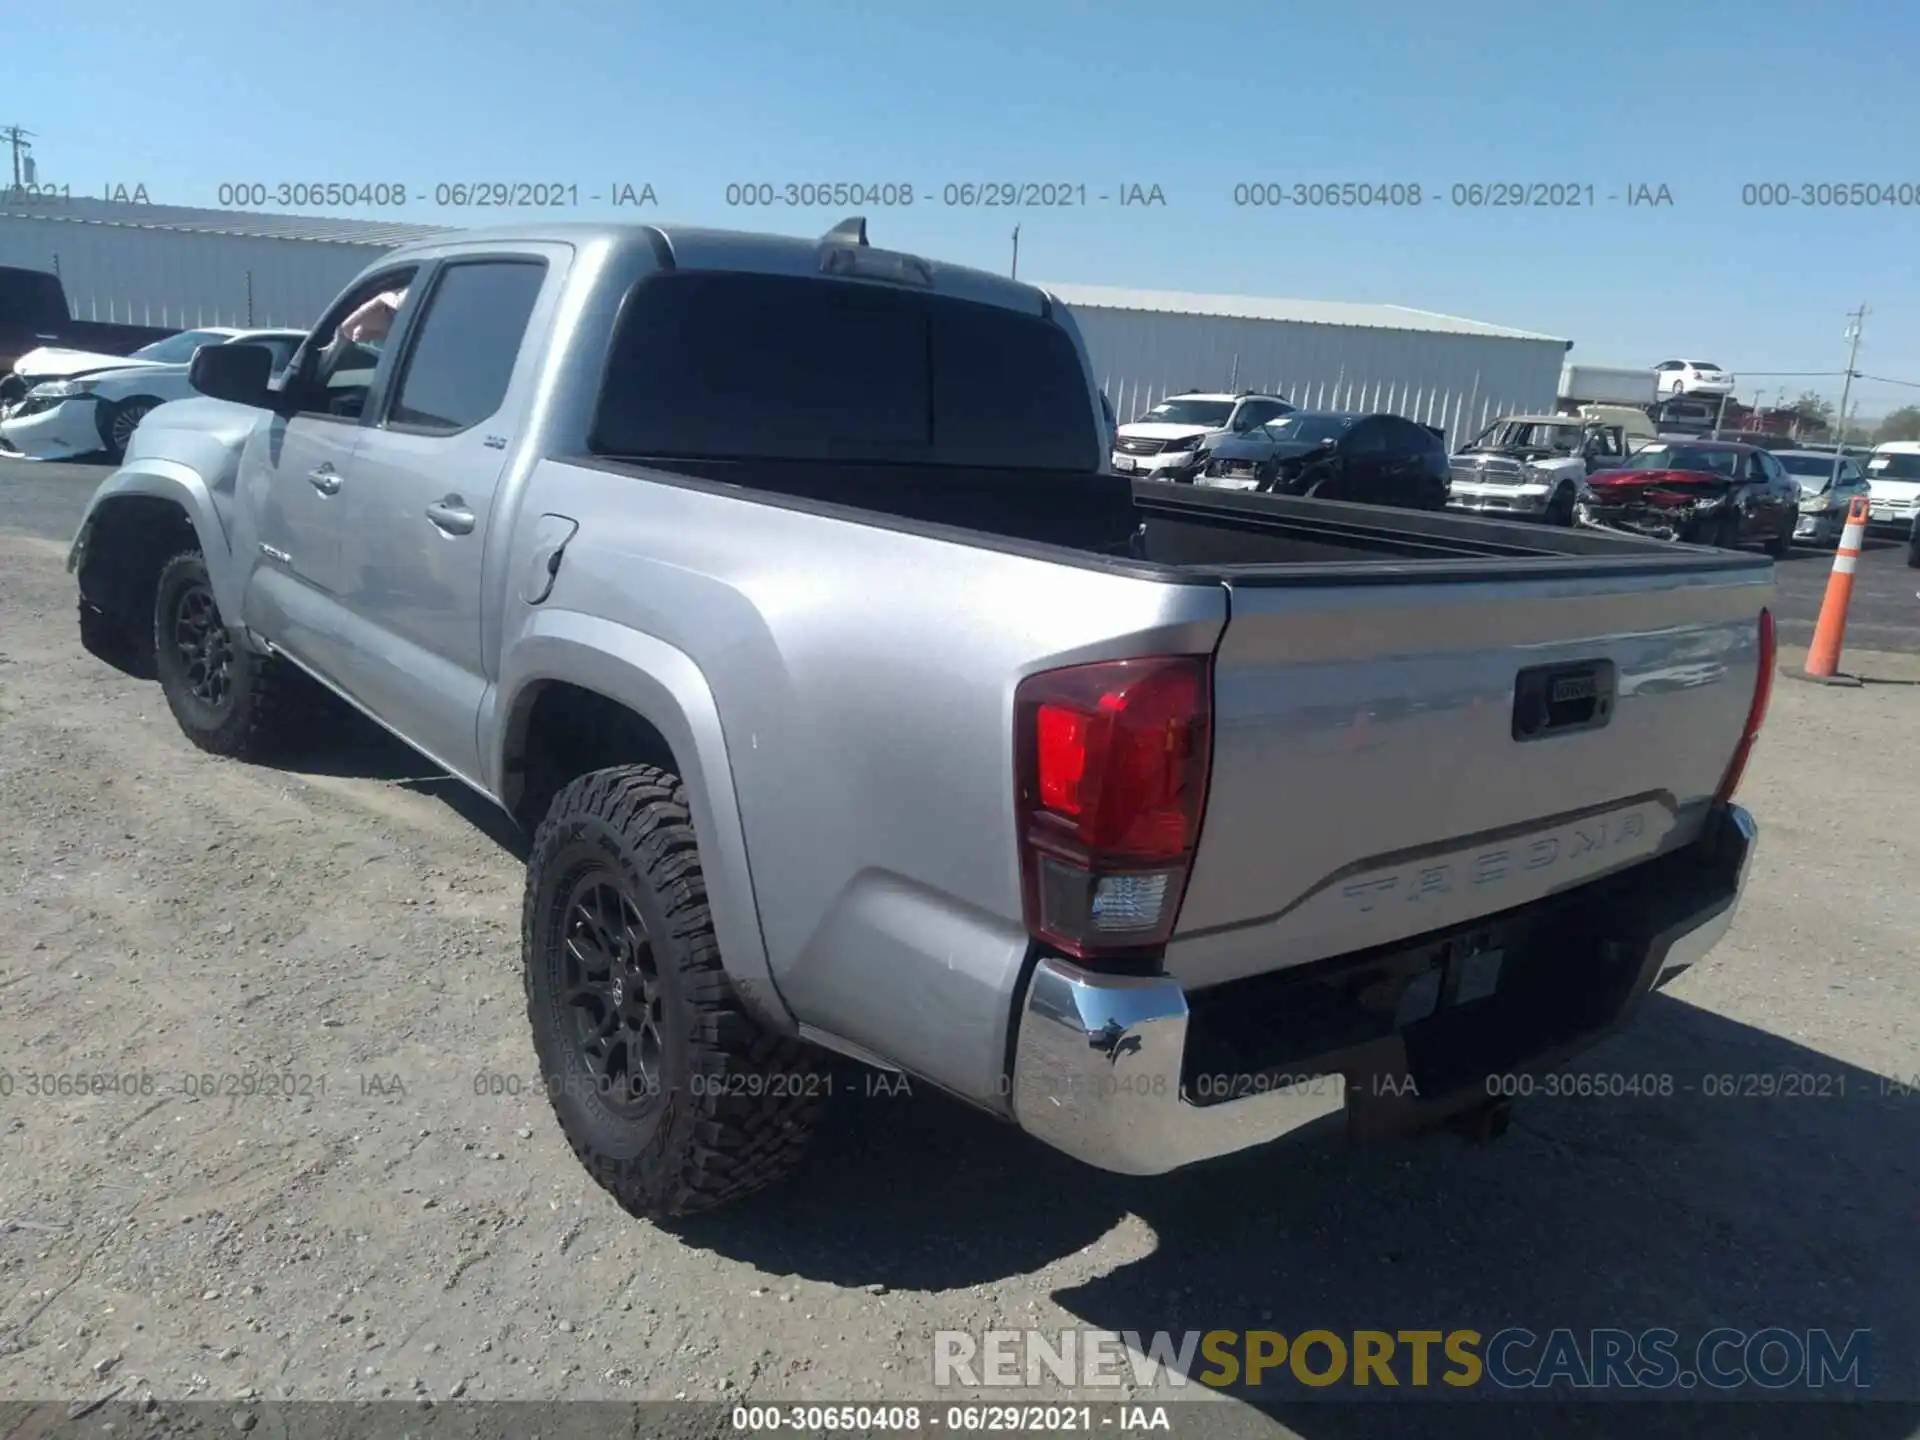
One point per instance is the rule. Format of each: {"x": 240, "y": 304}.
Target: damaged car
{"x": 1699, "y": 492}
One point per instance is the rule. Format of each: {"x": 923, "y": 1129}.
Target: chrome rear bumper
{"x": 1099, "y": 1060}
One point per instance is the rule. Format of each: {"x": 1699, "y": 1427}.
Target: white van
{"x": 1893, "y": 480}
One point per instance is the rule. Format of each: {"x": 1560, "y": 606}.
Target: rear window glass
{"x": 768, "y": 367}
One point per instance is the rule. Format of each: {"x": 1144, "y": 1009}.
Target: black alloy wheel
{"x": 610, "y": 982}
{"x": 204, "y": 646}
{"x": 229, "y": 700}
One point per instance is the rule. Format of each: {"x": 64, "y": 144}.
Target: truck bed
{"x": 1173, "y": 528}
{"x": 1371, "y": 781}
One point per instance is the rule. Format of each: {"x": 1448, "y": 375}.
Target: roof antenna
{"x": 850, "y": 231}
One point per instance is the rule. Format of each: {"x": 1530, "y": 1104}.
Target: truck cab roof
{"x": 693, "y": 247}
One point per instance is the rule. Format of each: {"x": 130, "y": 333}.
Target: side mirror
{"x": 239, "y": 373}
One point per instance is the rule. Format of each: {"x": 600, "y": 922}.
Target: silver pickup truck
{"x": 778, "y": 587}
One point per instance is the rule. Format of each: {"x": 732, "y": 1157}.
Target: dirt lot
{"x": 381, "y": 1206}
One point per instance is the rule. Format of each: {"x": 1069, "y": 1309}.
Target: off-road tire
{"x": 257, "y": 714}
{"x": 734, "y": 1104}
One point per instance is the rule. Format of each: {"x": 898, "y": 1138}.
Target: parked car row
{"x": 74, "y": 402}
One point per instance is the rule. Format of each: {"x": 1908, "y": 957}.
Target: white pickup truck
{"x": 1532, "y": 465}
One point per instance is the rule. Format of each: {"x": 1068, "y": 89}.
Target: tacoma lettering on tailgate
{"x": 1592, "y": 844}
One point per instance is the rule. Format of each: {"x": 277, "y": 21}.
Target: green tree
{"x": 1812, "y": 408}
{"x": 1902, "y": 424}
{"x": 1812, "y": 415}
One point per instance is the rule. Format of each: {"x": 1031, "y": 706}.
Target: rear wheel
{"x": 674, "y": 1098}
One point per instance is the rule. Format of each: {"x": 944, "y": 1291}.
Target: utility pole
{"x": 1016, "y": 252}
{"x": 19, "y": 140}
{"x": 1846, "y": 386}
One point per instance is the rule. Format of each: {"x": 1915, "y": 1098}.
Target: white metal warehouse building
{"x": 179, "y": 266}
{"x": 1320, "y": 354}
{"x": 175, "y": 265}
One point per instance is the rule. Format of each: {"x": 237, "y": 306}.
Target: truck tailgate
{"x": 1367, "y": 782}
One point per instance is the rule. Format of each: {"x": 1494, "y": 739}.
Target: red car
{"x": 1703, "y": 492}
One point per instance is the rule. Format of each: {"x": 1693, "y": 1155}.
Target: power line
{"x": 1889, "y": 380}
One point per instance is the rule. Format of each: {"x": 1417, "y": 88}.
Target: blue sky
{"x": 1700, "y": 97}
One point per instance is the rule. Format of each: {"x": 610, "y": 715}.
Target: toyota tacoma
{"x": 780, "y": 588}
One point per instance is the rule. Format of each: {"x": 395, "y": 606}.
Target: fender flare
{"x": 154, "y": 479}
{"x": 665, "y": 688}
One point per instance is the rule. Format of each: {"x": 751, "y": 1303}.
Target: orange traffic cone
{"x": 1823, "y": 656}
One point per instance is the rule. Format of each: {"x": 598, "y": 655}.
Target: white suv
{"x": 1691, "y": 377}
{"x": 1169, "y": 442}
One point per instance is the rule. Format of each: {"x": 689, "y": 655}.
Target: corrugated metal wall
{"x": 182, "y": 279}
{"x": 1459, "y": 382}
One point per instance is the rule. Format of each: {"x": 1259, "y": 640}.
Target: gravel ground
{"x": 361, "y": 1219}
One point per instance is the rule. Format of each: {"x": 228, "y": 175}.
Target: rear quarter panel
{"x": 863, "y": 679}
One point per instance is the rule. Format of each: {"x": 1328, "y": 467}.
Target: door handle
{"x": 326, "y": 480}
{"x": 451, "y": 515}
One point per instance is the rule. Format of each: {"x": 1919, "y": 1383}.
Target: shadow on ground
{"x": 338, "y": 741}
{"x": 1688, "y": 1212}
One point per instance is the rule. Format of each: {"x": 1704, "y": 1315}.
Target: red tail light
{"x": 1111, "y": 775}
{"x": 1756, "y": 712}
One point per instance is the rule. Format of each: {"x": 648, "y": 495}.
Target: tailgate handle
{"x": 1562, "y": 699}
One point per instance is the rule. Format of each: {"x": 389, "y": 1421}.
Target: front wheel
{"x": 119, "y": 421}
{"x": 228, "y": 699}
{"x": 1913, "y": 552}
{"x": 1781, "y": 545}
{"x": 1560, "y": 507}
{"x": 674, "y": 1098}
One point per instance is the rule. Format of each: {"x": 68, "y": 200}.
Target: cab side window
{"x": 461, "y": 355}
{"x": 336, "y": 373}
